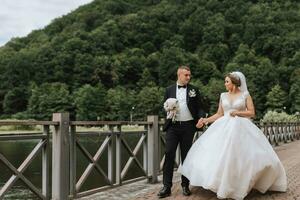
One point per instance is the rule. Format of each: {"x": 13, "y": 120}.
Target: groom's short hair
{"x": 184, "y": 67}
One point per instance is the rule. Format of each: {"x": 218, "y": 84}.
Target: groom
{"x": 181, "y": 131}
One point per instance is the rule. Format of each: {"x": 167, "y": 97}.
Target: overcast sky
{"x": 19, "y": 17}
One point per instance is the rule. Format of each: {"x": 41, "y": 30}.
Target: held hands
{"x": 202, "y": 122}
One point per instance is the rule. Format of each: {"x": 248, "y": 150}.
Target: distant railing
{"x": 281, "y": 132}
{"x": 67, "y": 184}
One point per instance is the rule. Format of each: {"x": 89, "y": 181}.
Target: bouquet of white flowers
{"x": 171, "y": 107}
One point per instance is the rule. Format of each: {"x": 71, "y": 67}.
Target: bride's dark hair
{"x": 234, "y": 79}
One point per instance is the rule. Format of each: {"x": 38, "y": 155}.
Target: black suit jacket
{"x": 194, "y": 103}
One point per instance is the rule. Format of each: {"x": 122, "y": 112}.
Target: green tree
{"x": 146, "y": 79}
{"x": 192, "y": 28}
{"x": 170, "y": 59}
{"x": 119, "y": 102}
{"x": 15, "y": 100}
{"x": 90, "y": 102}
{"x": 276, "y": 99}
{"x": 294, "y": 96}
{"x": 149, "y": 102}
{"x": 217, "y": 53}
{"x": 129, "y": 66}
{"x": 49, "y": 98}
{"x": 104, "y": 71}
{"x": 212, "y": 91}
{"x": 214, "y": 31}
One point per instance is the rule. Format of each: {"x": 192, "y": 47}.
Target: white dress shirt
{"x": 184, "y": 113}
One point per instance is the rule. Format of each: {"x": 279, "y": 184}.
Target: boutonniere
{"x": 192, "y": 93}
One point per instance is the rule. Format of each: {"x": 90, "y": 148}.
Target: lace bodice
{"x": 237, "y": 104}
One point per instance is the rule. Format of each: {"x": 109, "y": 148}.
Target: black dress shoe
{"x": 186, "y": 191}
{"x": 164, "y": 192}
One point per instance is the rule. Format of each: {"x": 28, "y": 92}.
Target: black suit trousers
{"x": 178, "y": 133}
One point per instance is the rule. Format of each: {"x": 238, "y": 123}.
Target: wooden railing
{"x": 281, "y": 132}
{"x": 43, "y": 147}
{"x": 66, "y": 135}
{"x": 114, "y": 140}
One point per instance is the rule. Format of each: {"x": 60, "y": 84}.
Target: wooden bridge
{"x": 146, "y": 154}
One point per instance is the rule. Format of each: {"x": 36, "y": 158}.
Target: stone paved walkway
{"x": 289, "y": 154}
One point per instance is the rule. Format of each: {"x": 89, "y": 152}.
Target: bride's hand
{"x": 234, "y": 113}
{"x": 205, "y": 121}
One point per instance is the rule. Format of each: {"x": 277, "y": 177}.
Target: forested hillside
{"x": 111, "y": 58}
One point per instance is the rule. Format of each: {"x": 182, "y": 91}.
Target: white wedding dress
{"x": 233, "y": 156}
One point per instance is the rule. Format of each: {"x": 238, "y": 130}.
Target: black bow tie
{"x": 181, "y": 86}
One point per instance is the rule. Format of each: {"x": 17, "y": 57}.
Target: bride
{"x": 233, "y": 156}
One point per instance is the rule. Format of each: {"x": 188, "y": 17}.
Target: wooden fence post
{"x": 60, "y": 157}
{"x": 153, "y": 142}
